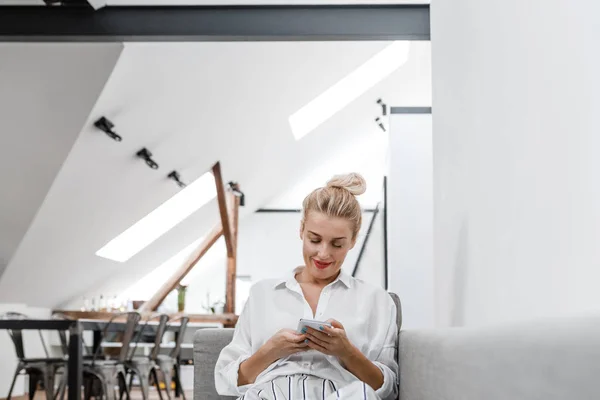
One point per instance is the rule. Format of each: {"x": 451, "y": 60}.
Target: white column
{"x": 516, "y": 100}
{"x": 410, "y": 215}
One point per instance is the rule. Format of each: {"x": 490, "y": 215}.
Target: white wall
{"x": 516, "y": 99}
{"x": 410, "y": 217}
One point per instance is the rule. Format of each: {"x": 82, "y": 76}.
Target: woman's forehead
{"x": 326, "y": 226}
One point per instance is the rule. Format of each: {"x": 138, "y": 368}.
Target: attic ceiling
{"x": 191, "y": 105}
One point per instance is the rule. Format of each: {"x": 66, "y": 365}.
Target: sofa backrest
{"x": 553, "y": 359}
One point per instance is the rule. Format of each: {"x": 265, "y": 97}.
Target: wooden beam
{"x": 173, "y": 281}
{"x": 234, "y": 206}
{"x": 223, "y": 209}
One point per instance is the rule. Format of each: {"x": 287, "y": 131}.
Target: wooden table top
{"x": 228, "y": 320}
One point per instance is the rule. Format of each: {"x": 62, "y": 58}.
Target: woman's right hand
{"x": 286, "y": 342}
{"x": 282, "y": 344}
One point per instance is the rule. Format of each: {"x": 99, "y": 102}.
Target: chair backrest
{"x": 183, "y": 321}
{"x": 132, "y": 319}
{"x": 131, "y": 324}
{"x": 62, "y": 335}
{"x": 16, "y": 335}
{"x": 160, "y": 331}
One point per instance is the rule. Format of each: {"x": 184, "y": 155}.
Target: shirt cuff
{"x": 389, "y": 389}
{"x": 230, "y": 375}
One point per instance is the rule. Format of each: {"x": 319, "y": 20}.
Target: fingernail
{"x": 320, "y": 327}
{"x": 306, "y": 341}
{"x": 303, "y": 330}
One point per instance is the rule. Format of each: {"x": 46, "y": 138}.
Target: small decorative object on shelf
{"x": 181, "y": 289}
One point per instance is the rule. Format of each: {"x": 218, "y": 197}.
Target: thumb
{"x": 335, "y": 324}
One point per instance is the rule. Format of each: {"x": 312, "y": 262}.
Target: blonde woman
{"x": 354, "y": 358}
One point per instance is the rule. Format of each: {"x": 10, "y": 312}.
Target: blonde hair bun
{"x": 352, "y": 182}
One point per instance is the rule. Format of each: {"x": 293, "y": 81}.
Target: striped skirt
{"x": 308, "y": 387}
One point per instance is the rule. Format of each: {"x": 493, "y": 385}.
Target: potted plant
{"x": 181, "y": 289}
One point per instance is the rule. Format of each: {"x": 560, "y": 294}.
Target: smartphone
{"x": 311, "y": 323}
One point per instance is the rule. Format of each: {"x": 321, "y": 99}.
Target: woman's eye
{"x": 339, "y": 246}
{"x": 315, "y": 241}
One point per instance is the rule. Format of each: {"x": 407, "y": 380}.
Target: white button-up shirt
{"x": 367, "y": 313}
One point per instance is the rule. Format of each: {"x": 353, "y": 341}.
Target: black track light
{"x": 147, "y": 156}
{"x": 174, "y": 175}
{"x": 107, "y": 127}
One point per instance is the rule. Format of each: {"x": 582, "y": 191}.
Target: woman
{"x": 354, "y": 359}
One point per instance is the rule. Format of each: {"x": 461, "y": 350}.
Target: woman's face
{"x": 325, "y": 244}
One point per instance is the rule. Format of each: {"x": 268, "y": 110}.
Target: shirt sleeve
{"x": 386, "y": 360}
{"x": 232, "y": 355}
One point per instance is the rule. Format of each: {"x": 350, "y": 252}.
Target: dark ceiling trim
{"x": 410, "y": 110}
{"x": 215, "y": 23}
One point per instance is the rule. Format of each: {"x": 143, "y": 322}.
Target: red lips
{"x": 321, "y": 264}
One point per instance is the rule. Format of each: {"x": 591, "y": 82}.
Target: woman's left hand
{"x": 331, "y": 341}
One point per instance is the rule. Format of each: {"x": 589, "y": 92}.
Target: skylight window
{"x": 342, "y": 93}
{"x": 150, "y": 283}
{"x": 161, "y": 220}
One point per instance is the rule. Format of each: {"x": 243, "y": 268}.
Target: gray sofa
{"x": 553, "y": 359}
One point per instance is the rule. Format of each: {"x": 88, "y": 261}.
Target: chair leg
{"x": 60, "y": 395}
{"x": 48, "y": 378}
{"x": 34, "y": 378}
{"x": 166, "y": 371}
{"x": 12, "y": 385}
{"x": 123, "y": 386}
{"x": 156, "y": 382}
{"x": 178, "y": 383}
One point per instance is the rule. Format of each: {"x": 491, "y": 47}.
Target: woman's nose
{"x": 323, "y": 252}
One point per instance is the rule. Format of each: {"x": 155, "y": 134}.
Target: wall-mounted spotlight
{"x": 107, "y": 127}
{"x": 147, "y": 156}
{"x": 380, "y": 123}
{"x": 383, "y": 107}
{"x": 174, "y": 175}
{"x": 235, "y": 188}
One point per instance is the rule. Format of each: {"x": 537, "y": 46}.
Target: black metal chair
{"x": 145, "y": 366}
{"x": 38, "y": 369}
{"x": 110, "y": 372}
{"x": 169, "y": 363}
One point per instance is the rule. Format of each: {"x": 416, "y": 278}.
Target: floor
{"x": 135, "y": 395}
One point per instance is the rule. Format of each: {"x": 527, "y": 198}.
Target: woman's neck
{"x": 305, "y": 277}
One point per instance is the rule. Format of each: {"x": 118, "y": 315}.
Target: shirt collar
{"x": 291, "y": 282}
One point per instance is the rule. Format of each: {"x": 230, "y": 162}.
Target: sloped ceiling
{"x": 191, "y": 104}
{"x": 46, "y": 95}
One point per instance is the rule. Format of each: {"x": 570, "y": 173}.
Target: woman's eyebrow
{"x": 337, "y": 238}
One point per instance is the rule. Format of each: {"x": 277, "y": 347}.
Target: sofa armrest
{"x": 208, "y": 344}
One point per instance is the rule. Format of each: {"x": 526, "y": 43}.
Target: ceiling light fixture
{"x": 174, "y": 175}
{"x": 147, "y": 156}
{"x": 161, "y": 220}
{"x": 383, "y": 107}
{"x": 380, "y": 124}
{"x": 349, "y": 88}
{"x": 107, "y": 127}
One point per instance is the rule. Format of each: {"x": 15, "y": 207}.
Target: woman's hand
{"x": 331, "y": 341}
{"x": 284, "y": 343}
